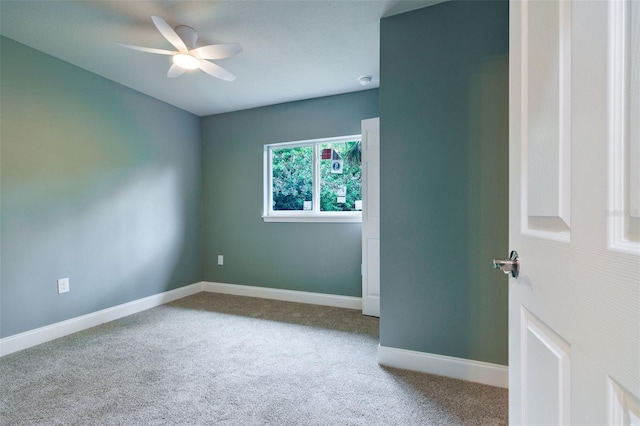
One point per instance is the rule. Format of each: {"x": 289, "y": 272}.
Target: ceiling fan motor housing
{"x": 188, "y": 35}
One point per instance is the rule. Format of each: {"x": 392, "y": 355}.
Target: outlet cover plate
{"x": 63, "y": 285}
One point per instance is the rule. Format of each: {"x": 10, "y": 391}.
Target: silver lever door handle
{"x": 511, "y": 265}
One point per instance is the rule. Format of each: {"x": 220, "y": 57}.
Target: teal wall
{"x": 315, "y": 257}
{"x": 99, "y": 183}
{"x": 129, "y": 197}
{"x": 444, "y": 179}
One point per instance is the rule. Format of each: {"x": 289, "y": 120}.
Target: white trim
{"x": 307, "y": 142}
{"x": 457, "y": 368}
{"x": 348, "y": 302}
{"x": 314, "y": 217}
{"x": 475, "y": 371}
{"x": 30, "y": 338}
{"x": 370, "y": 170}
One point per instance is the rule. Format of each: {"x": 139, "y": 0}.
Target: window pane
{"x": 292, "y": 177}
{"x": 340, "y": 177}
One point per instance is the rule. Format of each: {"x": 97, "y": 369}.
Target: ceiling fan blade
{"x": 175, "y": 71}
{"x": 168, "y": 33}
{"x": 217, "y": 51}
{"x": 216, "y": 71}
{"x": 147, "y": 49}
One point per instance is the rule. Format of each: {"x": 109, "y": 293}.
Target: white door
{"x": 370, "y": 148}
{"x": 574, "y": 309}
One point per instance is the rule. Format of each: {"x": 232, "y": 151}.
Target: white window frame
{"x": 314, "y": 215}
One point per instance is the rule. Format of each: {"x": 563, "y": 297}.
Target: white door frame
{"x": 370, "y": 147}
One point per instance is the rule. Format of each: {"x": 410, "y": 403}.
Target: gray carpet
{"x": 229, "y": 360}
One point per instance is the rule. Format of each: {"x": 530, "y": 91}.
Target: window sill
{"x": 327, "y": 218}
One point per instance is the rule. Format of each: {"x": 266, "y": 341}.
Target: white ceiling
{"x": 292, "y": 50}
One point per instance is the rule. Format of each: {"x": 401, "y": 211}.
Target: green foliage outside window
{"x": 330, "y": 183}
{"x": 292, "y": 177}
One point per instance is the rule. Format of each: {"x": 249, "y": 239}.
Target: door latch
{"x": 511, "y": 265}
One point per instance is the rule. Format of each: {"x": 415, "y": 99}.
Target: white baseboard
{"x": 21, "y": 341}
{"x": 475, "y": 371}
{"x": 30, "y": 338}
{"x": 337, "y": 301}
{"x": 457, "y": 368}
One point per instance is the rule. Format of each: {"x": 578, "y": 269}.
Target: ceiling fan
{"x": 188, "y": 57}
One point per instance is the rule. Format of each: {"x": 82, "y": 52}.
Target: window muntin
{"x": 315, "y": 180}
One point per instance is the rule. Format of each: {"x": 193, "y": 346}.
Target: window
{"x": 313, "y": 181}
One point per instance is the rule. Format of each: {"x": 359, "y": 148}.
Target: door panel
{"x": 574, "y": 346}
{"x": 546, "y": 87}
{"x": 546, "y": 377}
{"x": 624, "y": 407}
{"x": 624, "y": 230}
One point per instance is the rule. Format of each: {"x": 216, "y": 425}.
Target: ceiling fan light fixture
{"x": 186, "y": 61}
{"x": 189, "y": 57}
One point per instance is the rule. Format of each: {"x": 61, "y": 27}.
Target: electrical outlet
{"x": 220, "y": 259}
{"x": 63, "y": 285}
